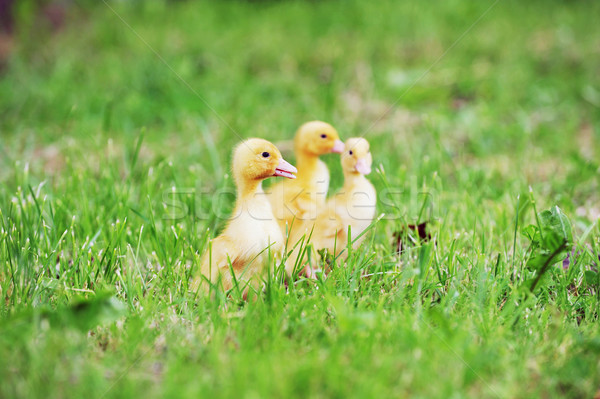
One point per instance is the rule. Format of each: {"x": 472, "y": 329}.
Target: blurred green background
{"x": 108, "y": 107}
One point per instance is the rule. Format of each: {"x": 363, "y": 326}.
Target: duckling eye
{"x": 266, "y": 154}
{"x": 350, "y": 152}
{"x": 323, "y": 136}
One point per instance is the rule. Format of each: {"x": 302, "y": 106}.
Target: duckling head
{"x": 318, "y": 138}
{"x": 356, "y": 157}
{"x": 258, "y": 159}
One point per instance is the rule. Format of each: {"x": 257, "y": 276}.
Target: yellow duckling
{"x": 354, "y": 206}
{"x": 301, "y": 198}
{"x": 252, "y": 231}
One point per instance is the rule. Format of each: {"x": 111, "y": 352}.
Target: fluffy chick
{"x": 300, "y": 199}
{"x": 252, "y": 231}
{"x": 354, "y": 205}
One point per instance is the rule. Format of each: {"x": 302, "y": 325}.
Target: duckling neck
{"x": 307, "y": 165}
{"x": 247, "y": 190}
{"x": 353, "y": 179}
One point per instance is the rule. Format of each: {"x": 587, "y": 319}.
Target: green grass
{"x": 97, "y": 132}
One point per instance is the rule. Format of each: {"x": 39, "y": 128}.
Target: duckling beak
{"x": 362, "y": 166}
{"x": 338, "y": 147}
{"x": 285, "y": 169}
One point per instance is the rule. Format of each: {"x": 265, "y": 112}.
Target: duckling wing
{"x": 217, "y": 259}
{"x": 304, "y": 208}
{"x": 329, "y": 232}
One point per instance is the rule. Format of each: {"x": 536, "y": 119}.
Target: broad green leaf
{"x": 591, "y": 278}
{"x": 532, "y": 233}
{"x": 536, "y": 261}
{"x": 556, "y": 222}
{"x": 551, "y": 242}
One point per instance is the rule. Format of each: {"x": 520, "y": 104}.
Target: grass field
{"x": 116, "y": 136}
